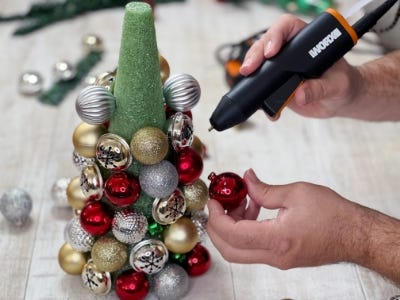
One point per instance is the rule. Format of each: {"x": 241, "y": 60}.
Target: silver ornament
{"x": 170, "y": 283}
{"x": 200, "y": 220}
{"x": 149, "y": 256}
{"x": 159, "y": 180}
{"x": 91, "y": 182}
{"x": 77, "y": 237}
{"x": 97, "y": 282}
{"x": 113, "y": 152}
{"x": 129, "y": 227}
{"x": 169, "y": 210}
{"x": 59, "y": 192}
{"x": 16, "y": 205}
{"x": 181, "y": 92}
{"x": 63, "y": 71}
{"x": 30, "y": 83}
{"x": 81, "y": 161}
{"x": 180, "y": 131}
{"x": 95, "y": 104}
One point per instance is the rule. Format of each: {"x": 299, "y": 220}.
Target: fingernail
{"x": 247, "y": 62}
{"x": 252, "y": 176}
{"x": 267, "y": 48}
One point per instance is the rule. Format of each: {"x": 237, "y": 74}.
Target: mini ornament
{"x": 149, "y": 145}
{"x": 159, "y": 180}
{"x": 148, "y": 256}
{"x": 199, "y": 147}
{"x": 76, "y": 198}
{"x": 196, "y": 195}
{"x": 129, "y": 227}
{"x": 96, "y": 218}
{"x": 70, "y": 260}
{"x": 169, "y": 210}
{"x": 108, "y": 254}
{"x": 81, "y": 161}
{"x": 30, "y": 83}
{"x": 228, "y": 188}
{"x": 181, "y": 236}
{"x": 131, "y": 284}
{"x": 200, "y": 220}
{"x": 181, "y": 92}
{"x": 95, "y": 104}
{"x": 98, "y": 283}
{"x": 16, "y": 205}
{"x": 180, "y": 131}
{"x": 77, "y": 237}
{"x": 198, "y": 261}
{"x": 113, "y": 152}
{"x": 63, "y": 71}
{"x": 85, "y": 138}
{"x": 189, "y": 165}
{"x": 107, "y": 80}
{"x": 122, "y": 189}
{"x": 91, "y": 42}
{"x": 59, "y": 192}
{"x": 170, "y": 283}
{"x": 91, "y": 182}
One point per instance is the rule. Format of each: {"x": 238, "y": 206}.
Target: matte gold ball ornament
{"x": 108, "y": 254}
{"x": 71, "y": 261}
{"x": 196, "y": 195}
{"x": 76, "y": 198}
{"x": 181, "y": 236}
{"x": 85, "y": 138}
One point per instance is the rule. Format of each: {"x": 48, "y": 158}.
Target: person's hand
{"x": 325, "y": 97}
{"x": 314, "y": 226}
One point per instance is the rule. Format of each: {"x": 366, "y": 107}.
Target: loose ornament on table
{"x": 59, "y": 192}
{"x": 30, "y": 83}
{"x": 15, "y": 206}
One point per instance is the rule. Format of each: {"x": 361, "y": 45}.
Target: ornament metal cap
{"x": 169, "y": 210}
{"x": 180, "y": 131}
{"x": 149, "y": 256}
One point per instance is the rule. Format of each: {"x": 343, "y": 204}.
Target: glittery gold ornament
{"x": 91, "y": 182}
{"x": 85, "y": 138}
{"x": 196, "y": 195}
{"x": 97, "y": 282}
{"x": 108, "y": 254}
{"x": 181, "y": 236}
{"x": 149, "y": 145}
{"x": 164, "y": 68}
{"x": 91, "y": 42}
{"x": 71, "y": 261}
{"x": 76, "y": 198}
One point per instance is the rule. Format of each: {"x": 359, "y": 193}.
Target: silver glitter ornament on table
{"x": 170, "y": 283}
{"x": 77, "y": 237}
{"x": 97, "y": 282}
{"x": 200, "y": 220}
{"x": 180, "y": 131}
{"x": 81, "y": 161}
{"x": 159, "y": 180}
{"x": 16, "y": 205}
{"x": 91, "y": 182}
{"x": 63, "y": 71}
{"x": 148, "y": 256}
{"x": 95, "y": 104}
{"x": 30, "y": 83}
{"x": 113, "y": 152}
{"x": 59, "y": 192}
{"x": 129, "y": 227}
{"x": 169, "y": 210}
{"x": 181, "y": 92}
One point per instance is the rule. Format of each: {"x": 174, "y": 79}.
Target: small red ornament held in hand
{"x": 228, "y": 189}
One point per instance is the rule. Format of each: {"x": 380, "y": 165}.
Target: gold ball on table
{"x": 181, "y": 236}
{"x": 71, "y": 261}
{"x": 164, "y": 68}
{"x": 76, "y": 198}
{"x": 108, "y": 254}
{"x": 85, "y": 138}
{"x": 196, "y": 195}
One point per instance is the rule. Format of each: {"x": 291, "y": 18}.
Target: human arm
{"x": 370, "y": 91}
{"x": 314, "y": 226}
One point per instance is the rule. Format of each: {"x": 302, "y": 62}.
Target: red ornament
{"x": 189, "y": 165}
{"x": 199, "y": 261}
{"x": 96, "y": 218}
{"x": 121, "y": 189}
{"x": 228, "y": 189}
{"x": 132, "y": 285}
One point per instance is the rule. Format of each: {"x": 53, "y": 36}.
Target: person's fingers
{"x": 253, "y": 58}
{"x": 248, "y": 210}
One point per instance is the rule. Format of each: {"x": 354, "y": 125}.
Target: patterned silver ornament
{"x": 77, "y": 237}
{"x": 16, "y": 205}
{"x": 91, "y": 182}
{"x": 107, "y": 80}
{"x": 64, "y": 71}
{"x": 169, "y": 210}
{"x": 30, "y": 83}
{"x": 95, "y": 104}
{"x": 159, "y": 180}
{"x": 181, "y": 92}
{"x": 113, "y": 152}
{"x": 149, "y": 256}
{"x": 81, "y": 161}
{"x": 200, "y": 220}
{"x": 59, "y": 192}
{"x": 180, "y": 131}
{"x": 170, "y": 283}
{"x": 129, "y": 227}
{"x": 97, "y": 282}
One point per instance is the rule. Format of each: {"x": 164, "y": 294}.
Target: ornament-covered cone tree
{"x": 139, "y": 201}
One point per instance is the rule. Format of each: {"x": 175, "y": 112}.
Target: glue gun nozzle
{"x": 211, "y": 128}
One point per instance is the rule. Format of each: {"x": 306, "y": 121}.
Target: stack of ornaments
{"x": 138, "y": 203}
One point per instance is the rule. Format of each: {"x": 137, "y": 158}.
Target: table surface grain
{"x": 360, "y": 160}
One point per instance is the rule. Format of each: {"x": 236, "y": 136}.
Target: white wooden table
{"x": 359, "y": 160}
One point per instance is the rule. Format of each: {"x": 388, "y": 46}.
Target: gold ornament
{"x": 71, "y": 261}
{"x": 107, "y": 80}
{"x": 164, "y": 68}
{"x": 181, "y": 236}
{"x": 196, "y": 195}
{"x": 91, "y": 42}
{"x": 85, "y": 138}
{"x": 198, "y": 146}
{"x": 75, "y": 196}
{"x": 97, "y": 282}
{"x": 149, "y": 145}
{"x": 109, "y": 254}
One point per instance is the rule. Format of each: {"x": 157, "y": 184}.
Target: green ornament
{"x": 178, "y": 258}
{"x": 155, "y": 230}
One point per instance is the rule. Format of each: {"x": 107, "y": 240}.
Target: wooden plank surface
{"x": 359, "y": 160}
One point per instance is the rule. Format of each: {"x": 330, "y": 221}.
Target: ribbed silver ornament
{"x": 95, "y": 104}
{"x": 181, "y": 92}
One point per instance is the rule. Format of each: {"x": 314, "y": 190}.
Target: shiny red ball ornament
{"x": 132, "y": 285}
{"x": 96, "y": 218}
{"x": 189, "y": 165}
{"x": 199, "y": 261}
{"x": 121, "y": 189}
{"x": 228, "y": 188}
